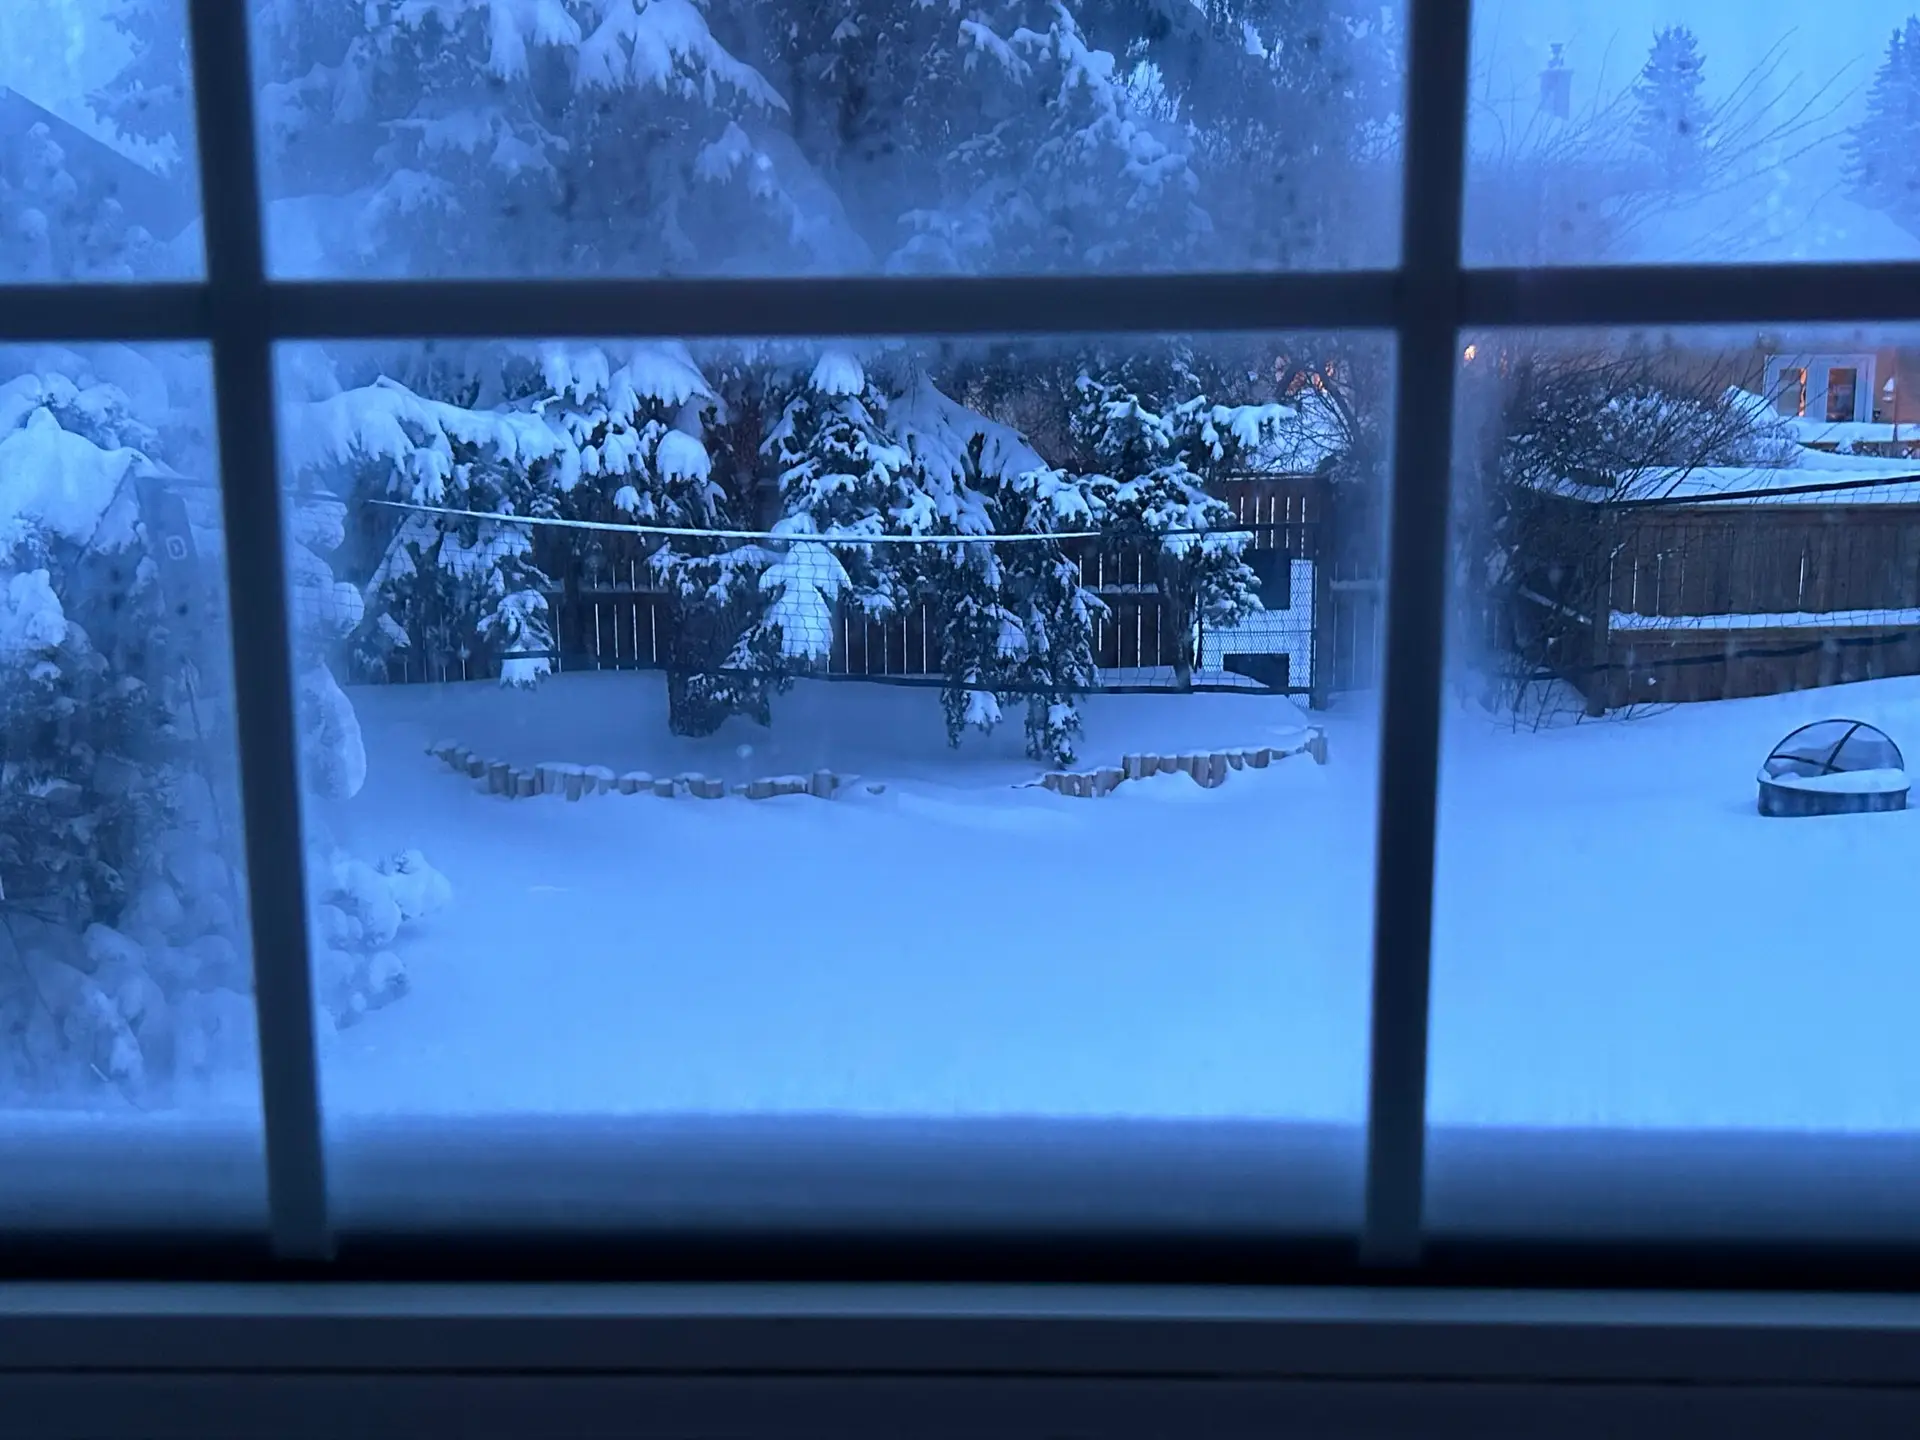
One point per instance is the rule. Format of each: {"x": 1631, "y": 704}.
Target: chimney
{"x": 1556, "y": 86}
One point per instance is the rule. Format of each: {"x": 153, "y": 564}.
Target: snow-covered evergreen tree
{"x": 721, "y": 659}
{"x": 1014, "y": 617}
{"x": 149, "y": 100}
{"x": 1154, "y": 458}
{"x": 1044, "y": 156}
{"x": 1292, "y": 110}
{"x": 1883, "y": 150}
{"x": 844, "y": 478}
{"x": 1671, "y": 115}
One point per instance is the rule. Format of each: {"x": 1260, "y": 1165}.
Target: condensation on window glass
{"x": 1685, "y": 674}
{"x": 126, "y": 1009}
{"x": 1691, "y": 132}
{"x": 98, "y": 180}
{"x": 911, "y": 729}
{"x": 774, "y": 137}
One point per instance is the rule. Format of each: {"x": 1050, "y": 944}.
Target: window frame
{"x": 1428, "y": 303}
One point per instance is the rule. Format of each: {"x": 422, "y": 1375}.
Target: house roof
{"x": 1816, "y": 478}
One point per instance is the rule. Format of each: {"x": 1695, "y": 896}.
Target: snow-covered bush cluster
{"x": 121, "y": 915}
{"x": 360, "y": 911}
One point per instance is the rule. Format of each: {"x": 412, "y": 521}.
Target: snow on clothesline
{"x": 681, "y": 531}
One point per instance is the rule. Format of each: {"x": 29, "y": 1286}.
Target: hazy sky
{"x": 1837, "y": 43}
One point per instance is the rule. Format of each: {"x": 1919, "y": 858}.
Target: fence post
{"x": 1319, "y": 639}
{"x": 1600, "y": 642}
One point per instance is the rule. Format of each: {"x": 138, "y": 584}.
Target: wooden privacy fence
{"x": 1717, "y": 602}
{"x": 1318, "y": 632}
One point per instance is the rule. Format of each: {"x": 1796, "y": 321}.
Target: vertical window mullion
{"x": 263, "y": 663}
{"x": 1418, "y": 521}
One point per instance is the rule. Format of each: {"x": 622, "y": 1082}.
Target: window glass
{"x": 97, "y": 163}
{"x": 630, "y": 798}
{"x": 1843, "y": 385}
{"x": 128, "y": 1077}
{"x": 647, "y": 137}
{"x": 1662, "y": 902}
{"x": 1790, "y": 391}
{"x": 1691, "y": 131}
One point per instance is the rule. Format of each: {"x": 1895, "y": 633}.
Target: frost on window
{"x": 124, "y": 979}
{"x": 1691, "y": 132}
{"x": 741, "y": 136}
{"x": 97, "y": 180}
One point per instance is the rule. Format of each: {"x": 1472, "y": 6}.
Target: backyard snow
{"x": 1621, "y": 939}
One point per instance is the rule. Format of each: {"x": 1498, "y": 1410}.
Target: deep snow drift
{"x": 1621, "y": 938}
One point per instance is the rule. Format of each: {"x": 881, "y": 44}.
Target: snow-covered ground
{"x": 952, "y": 946}
{"x": 1621, "y": 938}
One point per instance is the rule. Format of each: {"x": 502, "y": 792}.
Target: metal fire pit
{"x": 1833, "y": 767}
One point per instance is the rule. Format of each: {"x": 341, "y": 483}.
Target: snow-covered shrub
{"x": 359, "y": 910}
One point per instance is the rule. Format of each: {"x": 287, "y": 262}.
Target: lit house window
{"x": 1837, "y": 389}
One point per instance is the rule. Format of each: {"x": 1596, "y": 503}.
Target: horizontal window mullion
{"x": 977, "y": 305}
{"x": 75, "y": 313}
{"x": 1691, "y": 295}
{"x": 970, "y": 305}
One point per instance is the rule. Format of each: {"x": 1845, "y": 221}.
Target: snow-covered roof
{"x": 1814, "y": 478}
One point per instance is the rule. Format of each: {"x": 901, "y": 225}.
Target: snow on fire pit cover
{"x": 1833, "y": 767}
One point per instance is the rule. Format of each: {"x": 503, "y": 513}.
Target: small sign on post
{"x": 194, "y": 599}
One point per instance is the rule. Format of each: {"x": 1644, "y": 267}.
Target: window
{"x": 516, "y": 990}
{"x": 1789, "y": 390}
{"x": 1843, "y": 385}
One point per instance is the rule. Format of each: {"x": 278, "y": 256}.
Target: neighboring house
{"x": 1861, "y": 402}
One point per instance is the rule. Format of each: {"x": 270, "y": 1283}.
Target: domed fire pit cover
{"x": 1833, "y": 767}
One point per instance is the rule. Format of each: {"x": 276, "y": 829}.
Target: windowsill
{"x": 965, "y": 1330}
{"x": 1088, "y": 1184}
